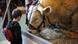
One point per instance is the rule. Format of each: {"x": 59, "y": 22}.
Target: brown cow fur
{"x": 65, "y": 13}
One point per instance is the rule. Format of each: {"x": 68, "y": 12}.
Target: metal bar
{"x": 8, "y": 3}
{"x": 36, "y": 38}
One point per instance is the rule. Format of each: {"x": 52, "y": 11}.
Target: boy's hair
{"x": 16, "y": 13}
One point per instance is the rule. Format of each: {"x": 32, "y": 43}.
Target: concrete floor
{"x": 2, "y": 37}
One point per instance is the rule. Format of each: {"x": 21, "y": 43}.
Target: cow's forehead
{"x": 32, "y": 9}
{"x": 40, "y": 9}
{"x": 34, "y": 16}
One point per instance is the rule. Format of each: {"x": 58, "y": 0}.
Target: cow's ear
{"x": 47, "y": 10}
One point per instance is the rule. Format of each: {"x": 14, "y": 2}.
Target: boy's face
{"x": 19, "y": 18}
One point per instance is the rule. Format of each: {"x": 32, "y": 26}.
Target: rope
{"x": 6, "y": 11}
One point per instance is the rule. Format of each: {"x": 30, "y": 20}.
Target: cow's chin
{"x": 49, "y": 33}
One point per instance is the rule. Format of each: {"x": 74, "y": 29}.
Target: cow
{"x": 56, "y": 12}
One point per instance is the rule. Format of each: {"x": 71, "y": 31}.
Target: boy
{"x": 15, "y": 27}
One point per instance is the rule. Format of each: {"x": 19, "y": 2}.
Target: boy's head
{"x": 16, "y": 14}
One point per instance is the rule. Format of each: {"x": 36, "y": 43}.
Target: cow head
{"x": 35, "y": 16}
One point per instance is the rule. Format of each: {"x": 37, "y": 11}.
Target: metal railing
{"x": 7, "y": 8}
{"x": 36, "y": 39}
